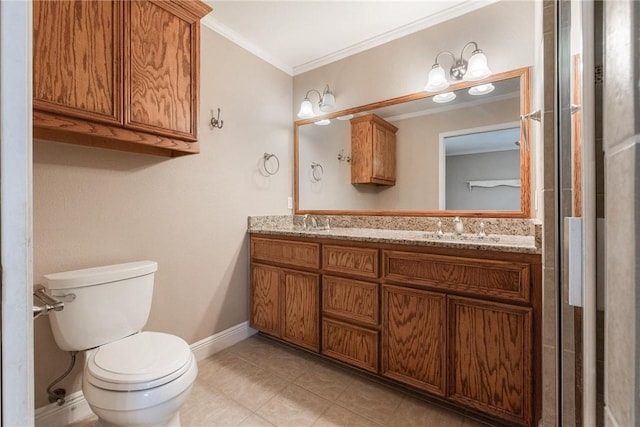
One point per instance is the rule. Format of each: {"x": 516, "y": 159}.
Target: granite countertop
{"x": 495, "y": 242}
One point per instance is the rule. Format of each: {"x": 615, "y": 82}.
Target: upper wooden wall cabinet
{"x": 373, "y": 151}
{"x": 119, "y": 75}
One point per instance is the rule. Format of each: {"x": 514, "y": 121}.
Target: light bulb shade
{"x": 477, "y": 69}
{"x": 306, "y": 109}
{"x": 322, "y": 122}
{"x": 442, "y": 98}
{"x": 436, "y": 80}
{"x": 328, "y": 102}
{"x": 482, "y": 89}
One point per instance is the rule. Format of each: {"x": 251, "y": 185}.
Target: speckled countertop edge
{"x": 288, "y": 225}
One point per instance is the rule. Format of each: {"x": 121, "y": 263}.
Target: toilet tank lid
{"x": 99, "y": 275}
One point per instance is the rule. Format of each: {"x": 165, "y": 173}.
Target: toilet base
{"x": 173, "y": 422}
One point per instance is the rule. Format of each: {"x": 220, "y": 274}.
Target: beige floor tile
{"x": 244, "y": 382}
{"x": 468, "y": 422}
{"x": 294, "y": 406}
{"x": 87, "y": 422}
{"x": 325, "y": 380}
{"x": 207, "y": 406}
{"x": 415, "y": 413}
{"x": 288, "y": 363}
{"x": 337, "y": 416}
{"x": 371, "y": 400}
{"x": 255, "y": 421}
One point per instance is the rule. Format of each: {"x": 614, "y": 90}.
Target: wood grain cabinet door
{"x": 161, "y": 44}
{"x": 77, "y": 59}
{"x": 265, "y": 299}
{"x": 414, "y": 337}
{"x": 301, "y": 309}
{"x": 490, "y": 358}
{"x": 384, "y": 154}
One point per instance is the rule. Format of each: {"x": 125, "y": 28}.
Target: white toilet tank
{"x": 102, "y": 304}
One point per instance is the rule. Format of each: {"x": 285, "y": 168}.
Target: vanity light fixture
{"x": 322, "y": 122}
{"x": 326, "y": 104}
{"x": 469, "y": 70}
{"x": 442, "y": 98}
{"x": 482, "y": 89}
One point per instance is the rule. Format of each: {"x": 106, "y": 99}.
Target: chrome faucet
{"x": 482, "y": 233}
{"x": 439, "y": 232}
{"x": 305, "y": 219}
{"x": 458, "y": 225}
{"x": 314, "y": 222}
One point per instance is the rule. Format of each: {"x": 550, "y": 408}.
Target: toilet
{"x": 130, "y": 378}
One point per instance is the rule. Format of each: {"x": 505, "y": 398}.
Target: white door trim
{"x": 16, "y": 252}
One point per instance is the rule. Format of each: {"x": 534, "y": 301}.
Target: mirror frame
{"x": 525, "y": 173}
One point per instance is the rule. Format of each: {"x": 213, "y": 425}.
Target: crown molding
{"x": 454, "y": 11}
{"x": 213, "y": 24}
{"x": 405, "y": 30}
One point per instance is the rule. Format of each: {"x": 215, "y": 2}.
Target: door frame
{"x": 16, "y": 206}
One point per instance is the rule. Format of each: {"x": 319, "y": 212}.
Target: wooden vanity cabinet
{"x": 414, "y": 337}
{"x": 119, "y": 75}
{"x": 373, "y": 151}
{"x": 490, "y": 357}
{"x": 350, "y": 305}
{"x": 458, "y": 324}
{"x": 486, "y": 307}
{"x": 285, "y": 295}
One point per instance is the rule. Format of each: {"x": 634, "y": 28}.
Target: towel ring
{"x": 265, "y": 162}
{"x": 316, "y": 171}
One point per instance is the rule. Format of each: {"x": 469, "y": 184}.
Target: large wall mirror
{"x": 465, "y": 157}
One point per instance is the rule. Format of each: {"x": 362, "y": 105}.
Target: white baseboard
{"x": 76, "y": 408}
{"x": 217, "y": 342}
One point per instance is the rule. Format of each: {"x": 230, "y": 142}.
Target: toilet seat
{"x": 139, "y": 362}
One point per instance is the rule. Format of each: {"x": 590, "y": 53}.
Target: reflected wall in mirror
{"x": 465, "y": 157}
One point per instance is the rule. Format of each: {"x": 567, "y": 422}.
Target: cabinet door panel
{"x": 265, "y": 299}
{"x": 162, "y": 70}
{"x": 414, "y": 337}
{"x": 490, "y": 356}
{"x": 77, "y": 52}
{"x": 350, "y": 299}
{"x": 301, "y": 313}
{"x": 351, "y": 344}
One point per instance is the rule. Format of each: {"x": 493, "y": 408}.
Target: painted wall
{"x": 94, "y": 207}
{"x": 471, "y": 167}
{"x": 504, "y": 31}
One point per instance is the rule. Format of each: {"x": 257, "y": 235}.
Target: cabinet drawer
{"x": 351, "y": 344}
{"x": 501, "y": 279}
{"x": 298, "y": 254}
{"x": 348, "y": 260}
{"x": 350, "y": 299}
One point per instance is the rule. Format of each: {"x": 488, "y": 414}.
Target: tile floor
{"x": 259, "y": 382}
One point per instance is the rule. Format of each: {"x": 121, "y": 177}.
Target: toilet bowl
{"x": 130, "y": 378}
{"x": 141, "y": 380}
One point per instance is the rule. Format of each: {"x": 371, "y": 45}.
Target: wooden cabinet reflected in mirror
{"x": 467, "y": 157}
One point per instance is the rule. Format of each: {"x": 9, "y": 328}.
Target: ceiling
{"x": 298, "y": 36}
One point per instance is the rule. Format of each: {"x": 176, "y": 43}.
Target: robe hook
{"x": 215, "y": 121}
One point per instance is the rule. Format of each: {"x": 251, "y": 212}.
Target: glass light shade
{"x": 322, "y": 122}
{"x": 306, "y": 109}
{"x": 442, "y": 98}
{"x": 436, "y": 80}
{"x": 482, "y": 89}
{"x": 477, "y": 68}
{"x": 328, "y": 102}
{"x": 345, "y": 117}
